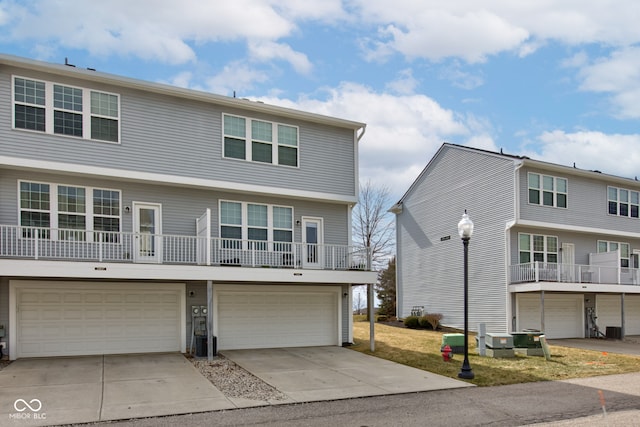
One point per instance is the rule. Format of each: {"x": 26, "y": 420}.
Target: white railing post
{"x": 536, "y": 270}
{"x": 100, "y": 246}
{"x": 35, "y": 242}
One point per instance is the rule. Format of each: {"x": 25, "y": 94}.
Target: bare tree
{"x": 373, "y": 225}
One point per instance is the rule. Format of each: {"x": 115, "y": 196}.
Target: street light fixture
{"x": 465, "y": 230}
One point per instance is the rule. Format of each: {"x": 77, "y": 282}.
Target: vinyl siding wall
{"x": 585, "y": 244}
{"x": 430, "y": 270}
{"x": 162, "y": 133}
{"x": 180, "y": 206}
{"x": 586, "y": 205}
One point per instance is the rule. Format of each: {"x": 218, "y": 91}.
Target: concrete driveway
{"x": 630, "y": 345}
{"x": 63, "y": 390}
{"x": 328, "y": 373}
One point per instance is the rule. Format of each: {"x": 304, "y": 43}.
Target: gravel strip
{"x": 234, "y": 381}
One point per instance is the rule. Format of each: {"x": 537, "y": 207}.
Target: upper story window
{"x": 623, "y": 202}
{"x": 72, "y": 211}
{"x": 65, "y": 110}
{"x": 604, "y": 246}
{"x": 257, "y": 224}
{"x": 260, "y": 141}
{"x": 535, "y": 247}
{"x": 547, "y": 190}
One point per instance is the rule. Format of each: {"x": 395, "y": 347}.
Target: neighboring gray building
{"x": 555, "y": 248}
{"x": 124, "y": 203}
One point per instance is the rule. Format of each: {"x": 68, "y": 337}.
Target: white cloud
{"x": 614, "y": 154}
{"x": 235, "y": 78}
{"x": 473, "y": 30}
{"x": 404, "y": 84}
{"x": 619, "y": 76}
{"x": 267, "y": 50}
{"x": 161, "y": 30}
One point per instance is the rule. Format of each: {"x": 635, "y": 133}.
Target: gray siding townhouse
{"x": 126, "y": 205}
{"x": 555, "y": 248}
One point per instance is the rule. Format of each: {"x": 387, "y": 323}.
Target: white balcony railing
{"x": 573, "y": 273}
{"x": 80, "y": 245}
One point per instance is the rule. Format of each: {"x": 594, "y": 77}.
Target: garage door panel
{"x": 276, "y": 319}
{"x": 562, "y": 314}
{"x": 98, "y": 319}
{"x": 632, "y": 314}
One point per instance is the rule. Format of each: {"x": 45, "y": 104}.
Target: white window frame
{"x": 244, "y": 226}
{"x": 630, "y": 204}
{"x": 541, "y": 190}
{"x": 49, "y": 110}
{"x": 618, "y": 245}
{"x": 249, "y": 139}
{"x": 54, "y": 212}
{"x": 545, "y": 251}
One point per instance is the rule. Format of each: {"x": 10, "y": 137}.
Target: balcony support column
{"x": 542, "y": 328}
{"x": 622, "y": 332}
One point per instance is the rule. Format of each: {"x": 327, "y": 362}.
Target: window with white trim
{"x": 260, "y": 141}
{"x": 605, "y": 246}
{"x": 546, "y": 190}
{"x": 65, "y": 208}
{"x": 256, "y": 224}
{"x": 537, "y": 247}
{"x": 65, "y": 110}
{"x": 623, "y": 202}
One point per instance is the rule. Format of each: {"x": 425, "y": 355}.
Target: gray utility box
{"x": 499, "y": 341}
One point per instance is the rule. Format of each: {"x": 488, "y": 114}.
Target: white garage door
{"x": 632, "y": 314}
{"x": 563, "y": 316}
{"x": 68, "y": 319}
{"x": 277, "y": 318}
{"x": 608, "y": 311}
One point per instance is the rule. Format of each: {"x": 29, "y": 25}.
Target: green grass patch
{"x": 421, "y": 349}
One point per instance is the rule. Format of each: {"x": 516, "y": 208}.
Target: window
{"x": 604, "y": 246}
{"x": 535, "y": 247}
{"x": 256, "y": 223}
{"x": 63, "y": 110}
{"x": 66, "y": 209}
{"x": 260, "y": 141}
{"x": 547, "y": 190}
{"x": 35, "y": 209}
{"x": 623, "y": 202}
{"x": 71, "y": 213}
{"x": 106, "y": 215}
{"x": 29, "y": 100}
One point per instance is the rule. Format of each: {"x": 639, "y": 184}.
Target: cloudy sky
{"x": 555, "y": 80}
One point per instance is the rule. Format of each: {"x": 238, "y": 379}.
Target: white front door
{"x": 568, "y": 262}
{"x": 147, "y": 240}
{"x": 312, "y": 240}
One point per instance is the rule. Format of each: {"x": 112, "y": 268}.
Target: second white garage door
{"x": 563, "y": 316}
{"x": 74, "y": 318}
{"x": 277, "y": 316}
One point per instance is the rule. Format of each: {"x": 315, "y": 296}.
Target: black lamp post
{"x": 465, "y": 230}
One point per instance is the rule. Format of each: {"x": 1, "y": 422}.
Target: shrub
{"x": 412, "y": 322}
{"x": 382, "y": 318}
{"x": 423, "y": 321}
{"x": 433, "y": 319}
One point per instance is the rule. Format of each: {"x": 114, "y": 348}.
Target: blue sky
{"x": 555, "y": 80}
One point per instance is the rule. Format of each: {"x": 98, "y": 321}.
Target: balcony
{"x": 80, "y": 245}
{"x": 564, "y": 273}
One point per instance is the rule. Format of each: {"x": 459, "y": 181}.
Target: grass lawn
{"x": 421, "y": 349}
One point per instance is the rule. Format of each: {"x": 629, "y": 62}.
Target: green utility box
{"x": 455, "y": 341}
{"x": 527, "y": 339}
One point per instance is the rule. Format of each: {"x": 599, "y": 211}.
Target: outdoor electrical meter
{"x": 199, "y": 329}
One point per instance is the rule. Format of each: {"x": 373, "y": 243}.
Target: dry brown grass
{"x": 421, "y": 349}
